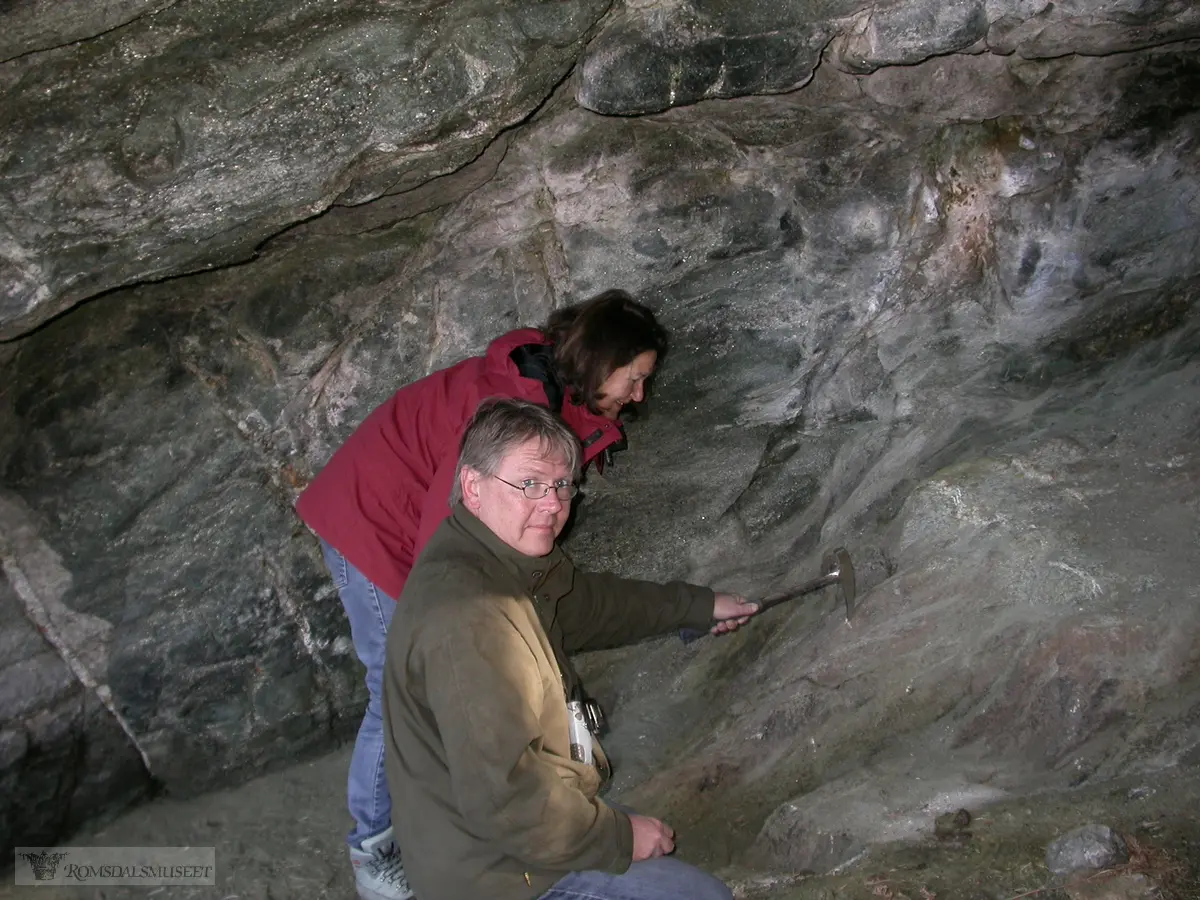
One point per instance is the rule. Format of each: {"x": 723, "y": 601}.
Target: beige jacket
{"x": 486, "y": 800}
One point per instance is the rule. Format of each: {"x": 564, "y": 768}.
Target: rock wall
{"x": 930, "y": 273}
{"x": 184, "y": 138}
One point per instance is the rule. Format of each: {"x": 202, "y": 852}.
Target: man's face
{"x": 529, "y": 526}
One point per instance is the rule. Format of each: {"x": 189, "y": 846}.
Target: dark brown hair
{"x": 594, "y": 338}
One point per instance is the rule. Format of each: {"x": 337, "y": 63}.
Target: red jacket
{"x": 382, "y": 494}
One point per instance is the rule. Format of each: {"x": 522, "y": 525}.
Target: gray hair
{"x": 501, "y": 424}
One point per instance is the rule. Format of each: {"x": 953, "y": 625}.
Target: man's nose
{"x": 550, "y": 503}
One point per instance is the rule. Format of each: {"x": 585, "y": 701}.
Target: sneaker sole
{"x": 365, "y": 893}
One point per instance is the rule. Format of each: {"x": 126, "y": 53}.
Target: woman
{"x": 384, "y": 492}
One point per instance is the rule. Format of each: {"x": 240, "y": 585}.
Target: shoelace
{"x": 389, "y": 869}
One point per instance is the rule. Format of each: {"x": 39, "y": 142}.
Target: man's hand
{"x": 651, "y": 837}
{"x": 731, "y": 611}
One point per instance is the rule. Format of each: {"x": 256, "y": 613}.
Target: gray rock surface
{"x": 657, "y": 55}
{"x": 129, "y": 157}
{"x": 943, "y": 314}
{"x": 205, "y": 688}
{"x": 186, "y": 138}
{"x": 1088, "y": 847}
{"x": 31, "y": 26}
{"x": 1030, "y": 624}
{"x": 63, "y": 757}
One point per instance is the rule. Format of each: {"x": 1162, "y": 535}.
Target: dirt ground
{"x": 279, "y": 837}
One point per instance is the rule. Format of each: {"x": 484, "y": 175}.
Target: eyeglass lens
{"x": 536, "y": 490}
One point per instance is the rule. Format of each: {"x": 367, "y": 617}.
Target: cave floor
{"x": 279, "y": 836}
{"x": 1000, "y": 854}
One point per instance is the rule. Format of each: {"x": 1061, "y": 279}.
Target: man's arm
{"x": 603, "y": 610}
{"x": 482, "y": 683}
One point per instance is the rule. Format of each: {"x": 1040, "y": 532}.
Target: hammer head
{"x": 837, "y": 564}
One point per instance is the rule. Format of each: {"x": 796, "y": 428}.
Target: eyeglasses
{"x": 536, "y": 490}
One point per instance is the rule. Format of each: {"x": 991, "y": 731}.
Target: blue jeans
{"x": 664, "y": 878}
{"x": 369, "y": 610}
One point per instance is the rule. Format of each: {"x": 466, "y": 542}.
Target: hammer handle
{"x": 815, "y": 585}
{"x": 687, "y": 635}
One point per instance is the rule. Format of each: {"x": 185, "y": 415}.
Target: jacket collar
{"x": 499, "y": 349}
{"x": 530, "y": 571}
{"x": 596, "y": 433}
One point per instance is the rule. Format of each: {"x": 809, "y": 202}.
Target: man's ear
{"x": 468, "y": 482}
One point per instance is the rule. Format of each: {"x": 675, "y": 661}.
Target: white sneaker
{"x": 378, "y": 870}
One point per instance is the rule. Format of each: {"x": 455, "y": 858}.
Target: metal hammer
{"x": 837, "y": 569}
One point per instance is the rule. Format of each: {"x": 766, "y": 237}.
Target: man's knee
{"x": 702, "y": 886}
{"x": 682, "y": 879}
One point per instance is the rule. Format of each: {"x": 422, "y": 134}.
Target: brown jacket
{"x": 486, "y": 799}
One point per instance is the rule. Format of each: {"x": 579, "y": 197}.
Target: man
{"x": 498, "y": 786}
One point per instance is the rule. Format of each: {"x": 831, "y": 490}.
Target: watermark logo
{"x": 43, "y": 864}
{"x": 128, "y": 866}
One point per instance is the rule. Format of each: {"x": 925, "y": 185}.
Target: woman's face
{"x": 626, "y": 384}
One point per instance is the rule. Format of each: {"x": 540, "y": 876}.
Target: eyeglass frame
{"x": 570, "y": 486}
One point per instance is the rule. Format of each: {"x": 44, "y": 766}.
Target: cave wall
{"x": 915, "y": 260}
